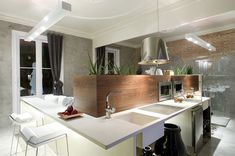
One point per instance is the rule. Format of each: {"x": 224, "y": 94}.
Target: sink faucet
{"x": 108, "y": 109}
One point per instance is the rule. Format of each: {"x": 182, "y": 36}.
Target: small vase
{"x": 171, "y": 143}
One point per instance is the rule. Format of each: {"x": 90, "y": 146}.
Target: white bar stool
{"x": 38, "y": 136}
{"x": 18, "y": 120}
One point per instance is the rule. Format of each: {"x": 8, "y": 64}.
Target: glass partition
{"x": 219, "y": 85}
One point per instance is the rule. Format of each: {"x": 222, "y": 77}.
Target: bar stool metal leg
{"x": 42, "y": 121}
{"x": 56, "y": 146}
{"x": 12, "y": 140}
{"x": 26, "y": 149}
{"x": 67, "y": 144}
{"x": 37, "y": 151}
{"x": 18, "y": 138}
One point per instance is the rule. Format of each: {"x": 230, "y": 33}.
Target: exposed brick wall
{"x": 224, "y": 42}
{"x": 219, "y": 72}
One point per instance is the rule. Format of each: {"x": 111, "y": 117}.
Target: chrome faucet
{"x": 108, "y": 109}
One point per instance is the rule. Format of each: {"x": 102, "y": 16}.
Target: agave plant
{"x": 184, "y": 70}
{"x": 124, "y": 70}
{"x": 94, "y": 69}
{"x": 189, "y": 70}
{"x": 181, "y": 71}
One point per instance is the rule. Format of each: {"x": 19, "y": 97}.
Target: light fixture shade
{"x": 200, "y": 42}
{"x": 154, "y": 51}
{"x": 49, "y": 20}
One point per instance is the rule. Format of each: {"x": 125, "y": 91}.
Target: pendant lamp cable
{"x": 158, "y": 19}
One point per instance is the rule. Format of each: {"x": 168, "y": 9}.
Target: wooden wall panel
{"x": 135, "y": 90}
{"x": 189, "y": 81}
{"x": 85, "y": 92}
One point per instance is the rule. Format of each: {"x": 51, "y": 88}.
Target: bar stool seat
{"x": 18, "y": 120}
{"x": 37, "y": 136}
{"x": 21, "y": 118}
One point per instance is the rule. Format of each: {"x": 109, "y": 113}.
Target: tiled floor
{"x": 221, "y": 144}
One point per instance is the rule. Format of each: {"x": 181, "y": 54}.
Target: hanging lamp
{"x": 154, "y": 49}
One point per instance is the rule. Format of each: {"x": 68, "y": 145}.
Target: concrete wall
{"x": 75, "y": 60}
{"x": 128, "y": 56}
{"x": 6, "y": 68}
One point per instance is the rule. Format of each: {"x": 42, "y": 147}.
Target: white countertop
{"x": 107, "y": 132}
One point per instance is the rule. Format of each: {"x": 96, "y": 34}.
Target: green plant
{"x": 94, "y": 69}
{"x": 184, "y": 70}
{"x": 189, "y": 70}
{"x": 124, "y": 70}
{"x": 181, "y": 71}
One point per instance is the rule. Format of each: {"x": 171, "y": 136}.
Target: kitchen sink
{"x": 136, "y": 118}
{"x": 162, "y": 109}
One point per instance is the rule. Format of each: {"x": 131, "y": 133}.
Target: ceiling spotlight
{"x": 197, "y": 40}
{"x": 189, "y": 39}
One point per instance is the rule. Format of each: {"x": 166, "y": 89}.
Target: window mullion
{"x": 39, "y": 89}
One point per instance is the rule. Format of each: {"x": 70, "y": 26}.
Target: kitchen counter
{"x": 108, "y": 132}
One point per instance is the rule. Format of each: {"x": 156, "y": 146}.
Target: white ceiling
{"x": 88, "y": 16}
{"x": 199, "y": 27}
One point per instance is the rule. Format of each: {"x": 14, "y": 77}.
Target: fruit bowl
{"x": 69, "y": 113}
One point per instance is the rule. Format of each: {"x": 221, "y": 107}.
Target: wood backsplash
{"x": 135, "y": 90}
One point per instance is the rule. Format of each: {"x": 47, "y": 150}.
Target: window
{"x": 112, "y": 57}
{"x": 35, "y": 70}
{"x": 31, "y": 71}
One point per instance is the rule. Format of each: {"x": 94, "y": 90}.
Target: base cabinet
{"x": 195, "y": 127}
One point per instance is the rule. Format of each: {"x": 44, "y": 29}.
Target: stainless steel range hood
{"x": 154, "y": 51}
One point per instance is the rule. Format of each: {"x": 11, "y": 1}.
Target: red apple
{"x": 67, "y": 113}
{"x": 69, "y": 109}
{"x": 74, "y": 111}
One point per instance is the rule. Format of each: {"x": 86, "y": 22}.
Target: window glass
{"x": 45, "y": 56}
{"x": 27, "y": 53}
{"x": 27, "y": 82}
{"x": 111, "y": 63}
{"x": 28, "y": 68}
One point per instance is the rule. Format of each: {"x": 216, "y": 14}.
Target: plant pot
{"x": 171, "y": 143}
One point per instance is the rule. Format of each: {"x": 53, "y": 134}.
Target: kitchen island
{"x": 116, "y": 136}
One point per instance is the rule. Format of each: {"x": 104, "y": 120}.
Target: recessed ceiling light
{"x": 189, "y": 38}
{"x": 42, "y": 28}
{"x": 45, "y": 18}
{"x": 208, "y": 44}
{"x": 36, "y": 33}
